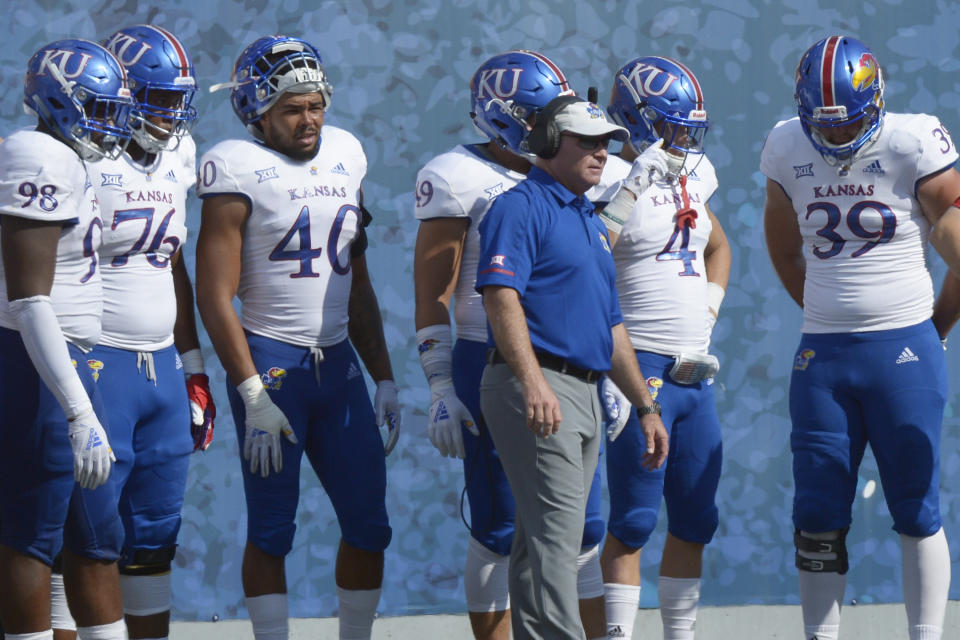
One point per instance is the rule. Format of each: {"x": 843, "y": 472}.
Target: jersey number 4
{"x": 682, "y": 253}
{"x": 306, "y": 254}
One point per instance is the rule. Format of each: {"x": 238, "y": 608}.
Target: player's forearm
{"x": 510, "y": 333}
{"x": 226, "y": 334}
{"x": 185, "y": 326}
{"x": 717, "y": 256}
{"x": 436, "y": 267}
{"x": 946, "y": 310}
{"x": 945, "y": 238}
{"x": 365, "y": 328}
{"x": 624, "y": 370}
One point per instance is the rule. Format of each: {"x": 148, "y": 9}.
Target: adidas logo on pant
{"x": 907, "y": 356}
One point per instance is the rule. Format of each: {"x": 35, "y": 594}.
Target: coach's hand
{"x": 386, "y": 405}
{"x": 92, "y": 455}
{"x": 448, "y": 418}
{"x": 657, "y": 441}
{"x": 265, "y": 423}
{"x": 616, "y": 408}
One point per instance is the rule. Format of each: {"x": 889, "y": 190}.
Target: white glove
{"x": 648, "y": 167}
{"x": 386, "y": 405}
{"x": 616, "y": 408}
{"x": 92, "y": 454}
{"x": 447, "y": 414}
{"x": 265, "y": 422}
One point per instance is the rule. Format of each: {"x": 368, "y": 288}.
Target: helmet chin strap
{"x": 686, "y": 216}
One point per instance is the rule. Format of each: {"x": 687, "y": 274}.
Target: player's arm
{"x": 626, "y": 374}
{"x": 365, "y": 325}
{"x": 202, "y": 409}
{"x": 29, "y": 260}
{"x": 939, "y": 197}
{"x": 509, "y": 326}
{"x": 219, "y": 251}
{"x": 219, "y": 262}
{"x": 716, "y": 258}
{"x": 436, "y": 268}
{"x": 365, "y": 328}
{"x": 784, "y": 242}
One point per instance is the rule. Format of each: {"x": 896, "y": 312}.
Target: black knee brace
{"x": 835, "y": 546}
{"x": 147, "y": 562}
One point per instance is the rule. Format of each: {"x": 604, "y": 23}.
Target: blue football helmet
{"x": 156, "y": 61}
{"x": 79, "y": 91}
{"x": 654, "y": 97}
{"x": 510, "y": 87}
{"x": 270, "y": 67}
{"x": 839, "y": 82}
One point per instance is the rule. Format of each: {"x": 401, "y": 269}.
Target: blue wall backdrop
{"x": 400, "y": 70}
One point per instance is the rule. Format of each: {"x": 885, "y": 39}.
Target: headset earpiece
{"x": 544, "y": 138}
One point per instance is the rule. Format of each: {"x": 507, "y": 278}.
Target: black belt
{"x": 550, "y": 361}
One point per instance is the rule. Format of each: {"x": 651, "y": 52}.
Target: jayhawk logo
{"x": 96, "y": 366}
{"x": 654, "y": 385}
{"x": 803, "y": 359}
{"x": 866, "y": 73}
{"x": 273, "y": 378}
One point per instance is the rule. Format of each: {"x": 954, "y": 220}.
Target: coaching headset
{"x": 544, "y": 138}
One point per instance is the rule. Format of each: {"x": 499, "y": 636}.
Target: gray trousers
{"x": 550, "y": 479}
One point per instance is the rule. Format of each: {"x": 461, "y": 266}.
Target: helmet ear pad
{"x": 544, "y": 139}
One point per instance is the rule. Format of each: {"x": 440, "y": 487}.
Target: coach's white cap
{"x": 584, "y": 118}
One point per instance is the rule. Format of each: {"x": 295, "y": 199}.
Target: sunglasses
{"x": 590, "y": 143}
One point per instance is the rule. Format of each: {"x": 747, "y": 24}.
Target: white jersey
{"x": 304, "y": 216}
{"x": 462, "y": 183}
{"x": 661, "y": 274}
{"x": 43, "y": 179}
{"x": 864, "y": 234}
{"x": 144, "y": 223}
{"x": 614, "y": 171}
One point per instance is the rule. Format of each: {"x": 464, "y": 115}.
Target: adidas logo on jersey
{"x": 907, "y": 356}
{"x": 616, "y": 632}
{"x": 874, "y": 167}
{"x": 352, "y": 371}
{"x": 171, "y": 176}
{"x": 339, "y": 169}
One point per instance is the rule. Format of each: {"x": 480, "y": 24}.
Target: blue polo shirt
{"x": 549, "y": 245}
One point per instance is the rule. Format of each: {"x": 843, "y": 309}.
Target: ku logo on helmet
{"x": 490, "y": 83}
{"x": 62, "y": 61}
{"x": 119, "y": 44}
{"x": 649, "y": 80}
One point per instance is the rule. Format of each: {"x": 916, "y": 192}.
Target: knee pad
{"x": 634, "y": 528}
{"x": 145, "y": 595}
{"x": 146, "y": 562}
{"x": 485, "y": 579}
{"x": 589, "y": 574}
{"x": 822, "y": 552}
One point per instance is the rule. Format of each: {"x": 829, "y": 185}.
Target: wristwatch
{"x": 650, "y": 408}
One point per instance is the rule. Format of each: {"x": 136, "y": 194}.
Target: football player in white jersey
{"x": 148, "y": 318}
{"x": 50, "y": 306}
{"x": 454, "y": 191}
{"x": 853, "y": 196}
{"x": 283, "y": 229}
{"x": 673, "y": 263}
